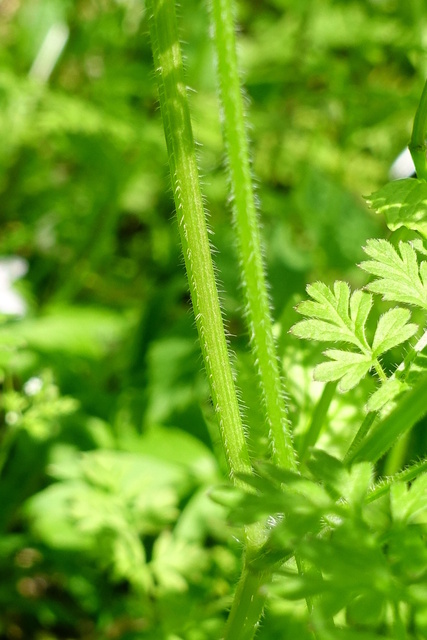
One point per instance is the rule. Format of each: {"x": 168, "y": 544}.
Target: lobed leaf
{"x": 392, "y": 329}
{"x": 403, "y": 203}
{"x": 348, "y": 367}
{"x": 336, "y": 316}
{"x": 399, "y": 278}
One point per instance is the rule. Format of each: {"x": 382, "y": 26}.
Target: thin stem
{"x": 417, "y": 145}
{"x": 408, "y": 412}
{"x": 407, "y": 475}
{"x": 395, "y": 458}
{"x": 380, "y": 371}
{"x": 363, "y": 430}
{"x": 198, "y": 262}
{"x": 251, "y": 594}
{"x": 320, "y": 412}
{"x": 248, "y": 235}
{"x": 410, "y": 357}
{"x": 193, "y": 230}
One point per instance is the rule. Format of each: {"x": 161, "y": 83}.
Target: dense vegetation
{"x": 117, "y": 518}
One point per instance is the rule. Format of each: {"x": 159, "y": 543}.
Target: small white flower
{"x": 11, "y": 302}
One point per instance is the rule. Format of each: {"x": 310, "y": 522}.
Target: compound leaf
{"x": 336, "y": 316}
{"x": 399, "y": 278}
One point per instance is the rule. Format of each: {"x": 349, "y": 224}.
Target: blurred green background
{"x": 107, "y": 437}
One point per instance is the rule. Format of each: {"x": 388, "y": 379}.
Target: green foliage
{"x": 335, "y": 316}
{"x": 337, "y": 529}
{"x": 403, "y": 203}
{"x": 111, "y": 468}
{"x": 399, "y": 278}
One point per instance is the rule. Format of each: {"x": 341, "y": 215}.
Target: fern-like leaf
{"x": 331, "y": 319}
{"x": 399, "y": 278}
{"x": 336, "y": 316}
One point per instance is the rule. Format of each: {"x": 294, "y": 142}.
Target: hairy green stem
{"x": 417, "y": 145}
{"x": 193, "y": 230}
{"x": 397, "y": 455}
{"x": 380, "y": 372}
{"x": 248, "y": 235}
{"x": 251, "y": 594}
{"x": 200, "y": 271}
{"x": 383, "y": 486}
{"x": 404, "y": 366}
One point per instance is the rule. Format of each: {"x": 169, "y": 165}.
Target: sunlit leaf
{"x": 392, "y": 329}
{"x": 336, "y": 316}
{"x": 403, "y": 203}
{"x": 398, "y": 276}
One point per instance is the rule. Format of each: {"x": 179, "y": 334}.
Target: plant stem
{"x": 408, "y": 412}
{"x": 380, "y": 372}
{"x": 395, "y": 458}
{"x": 248, "y": 235}
{"x": 417, "y": 145}
{"x": 363, "y": 430}
{"x": 411, "y": 355}
{"x": 310, "y": 437}
{"x": 200, "y": 272}
{"x": 193, "y": 231}
{"x": 412, "y": 472}
{"x": 251, "y": 593}
{"x": 399, "y": 625}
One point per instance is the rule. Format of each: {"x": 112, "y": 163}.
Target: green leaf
{"x": 387, "y": 392}
{"x": 348, "y": 367}
{"x": 359, "y": 481}
{"x": 328, "y": 470}
{"x": 399, "y": 278}
{"x": 332, "y": 320}
{"x": 392, "y": 329}
{"x": 336, "y": 316}
{"x": 409, "y": 504}
{"x": 403, "y": 203}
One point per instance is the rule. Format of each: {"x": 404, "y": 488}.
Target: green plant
{"x": 111, "y": 460}
{"x": 328, "y": 514}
